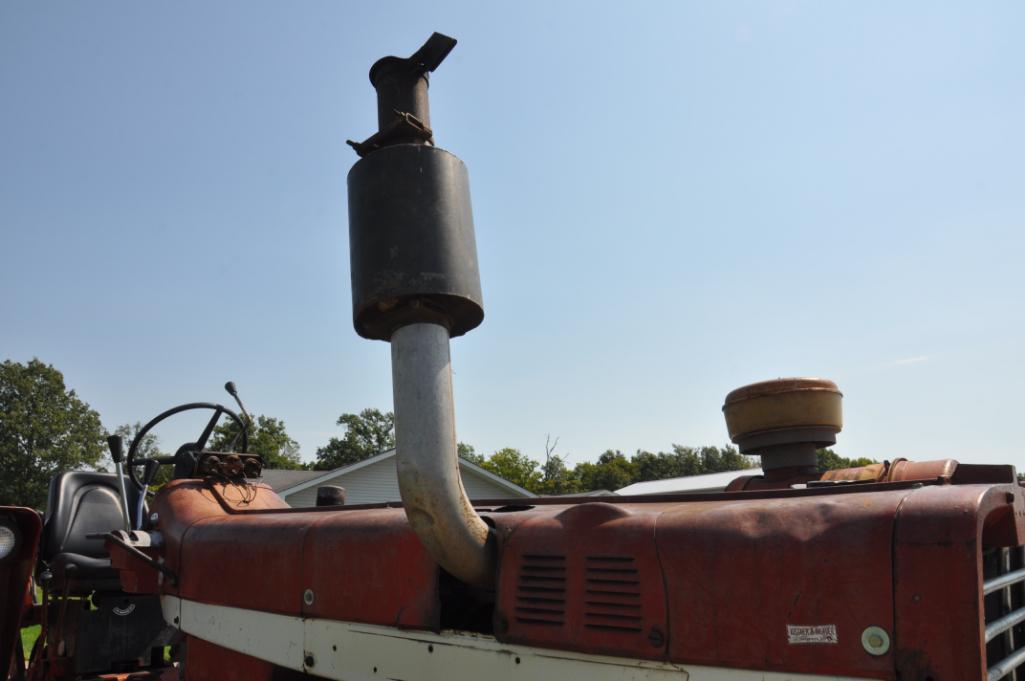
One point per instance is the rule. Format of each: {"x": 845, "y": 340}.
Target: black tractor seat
{"x": 82, "y": 505}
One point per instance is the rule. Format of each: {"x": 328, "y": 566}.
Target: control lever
{"x": 149, "y": 472}
{"x": 233, "y": 391}
{"x": 117, "y": 453}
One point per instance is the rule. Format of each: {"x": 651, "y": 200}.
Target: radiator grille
{"x": 612, "y": 601}
{"x": 1004, "y": 604}
{"x": 541, "y": 591}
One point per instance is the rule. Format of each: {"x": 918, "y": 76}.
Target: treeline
{"x": 613, "y": 470}
{"x": 373, "y": 431}
{"x": 45, "y": 428}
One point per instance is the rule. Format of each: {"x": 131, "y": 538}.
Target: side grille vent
{"x": 1004, "y": 603}
{"x": 541, "y": 591}
{"x": 612, "y": 601}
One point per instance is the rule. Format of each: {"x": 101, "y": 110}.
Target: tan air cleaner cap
{"x": 806, "y": 404}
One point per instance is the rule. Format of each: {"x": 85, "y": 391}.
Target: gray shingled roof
{"x": 279, "y": 479}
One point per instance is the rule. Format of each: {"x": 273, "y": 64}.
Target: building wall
{"x": 378, "y": 482}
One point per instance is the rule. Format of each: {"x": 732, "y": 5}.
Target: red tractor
{"x": 901, "y": 570}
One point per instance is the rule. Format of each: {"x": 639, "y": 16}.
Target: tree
{"x": 470, "y": 454}
{"x": 366, "y": 434}
{"x": 515, "y": 467}
{"x": 687, "y": 461}
{"x": 829, "y": 460}
{"x": 148, "y": 448}
{"x": 267, "y": 437}
{"x": 557, "y": 477}
{"x": 651, "y": 466}
{"x": 44, "y": 429}
{"x": 612, "y": 471}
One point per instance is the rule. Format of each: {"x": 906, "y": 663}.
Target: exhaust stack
{"x": 416, "y": 284}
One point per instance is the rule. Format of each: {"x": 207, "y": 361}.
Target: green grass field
{"x": 28, "y": 638}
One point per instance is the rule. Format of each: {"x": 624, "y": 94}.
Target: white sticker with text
{"x": 816, "y": 633}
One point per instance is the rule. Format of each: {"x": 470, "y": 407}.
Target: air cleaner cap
{"x": 784, "y": 411}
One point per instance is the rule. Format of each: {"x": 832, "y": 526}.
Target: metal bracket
{"x": 403, "y": 126}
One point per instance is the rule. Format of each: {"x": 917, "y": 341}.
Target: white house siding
{"x": 482, "y": 488}
{"x": 378, "y": 482}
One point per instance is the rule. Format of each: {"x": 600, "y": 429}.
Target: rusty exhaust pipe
{"x": 415, "y": 283}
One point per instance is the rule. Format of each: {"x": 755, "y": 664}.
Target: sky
{"x": 671, "y": 200}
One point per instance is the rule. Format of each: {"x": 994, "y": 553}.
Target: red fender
{"x": 15, "y": 573}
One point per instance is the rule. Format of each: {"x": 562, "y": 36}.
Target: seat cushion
{"x": 82, "y": 506}
{"x": 82, "y": 574}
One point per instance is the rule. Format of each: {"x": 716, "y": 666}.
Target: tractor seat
{"x": 82, "y": 503}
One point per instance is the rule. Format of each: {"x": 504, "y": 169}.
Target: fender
{"x": 15, "y": 571}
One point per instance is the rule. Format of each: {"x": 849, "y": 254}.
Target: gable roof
{"x": 279, "y": 479}
{"x": 690, "y": 483}
{"x": 320, "y": 477}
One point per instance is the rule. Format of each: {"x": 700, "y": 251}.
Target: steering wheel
{"x": 131, "y": 461}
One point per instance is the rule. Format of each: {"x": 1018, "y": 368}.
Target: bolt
{"x": 308, "y": 660}
{"x": 656, "y": 638}
{"x": 308, "y": 597}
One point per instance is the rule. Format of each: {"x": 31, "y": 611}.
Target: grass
{"x": 28, "y": 638}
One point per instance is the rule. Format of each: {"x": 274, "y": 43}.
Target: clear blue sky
{"x": 672, "y": 200}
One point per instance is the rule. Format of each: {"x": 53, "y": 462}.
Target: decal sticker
{"x": 124, "y": 612}
{"x": 816, "y": 633}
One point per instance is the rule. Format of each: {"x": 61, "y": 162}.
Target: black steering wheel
{"x": 131, "y": 461}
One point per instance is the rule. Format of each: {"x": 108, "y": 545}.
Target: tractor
{"x": 899, "y": 570}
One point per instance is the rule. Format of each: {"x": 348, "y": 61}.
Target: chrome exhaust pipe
{"x": 427, "y": 459}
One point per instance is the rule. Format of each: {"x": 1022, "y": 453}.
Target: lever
{"x": 117, "y": 452}
{"x": 117, "y": 448}
{"x": 233, "y": 391}
{"x": 149, "y": 472}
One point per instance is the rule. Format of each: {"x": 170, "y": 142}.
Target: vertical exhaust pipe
{"x": 415, "y": 283}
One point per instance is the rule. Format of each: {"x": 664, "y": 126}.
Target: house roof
{"x": 690, "y": 483}
{"x": 279, "y": 479}
{"x": 315, "y": 478}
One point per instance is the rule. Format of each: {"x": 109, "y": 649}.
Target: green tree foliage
{"x": 613, "y": 470}
{"x": 44, "y": 429}
{"x": 149, "y": 447}
{"x": 470, "y": 454}
{"x": 267, "y": 437}
{"x": 366, "y": 434}
{"x": 685, "y": 461}
{"x": 557, "y": 477}
{"x": 515, "y": 467}
{"x": 829, "y": 460}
